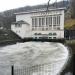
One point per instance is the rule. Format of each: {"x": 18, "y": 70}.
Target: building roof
{"x": 39, "y": 10}
{"x": 43, "y": 7}
{"x": 20, "y": 22}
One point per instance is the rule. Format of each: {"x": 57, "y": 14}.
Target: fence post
{"x": 12, "y": 70}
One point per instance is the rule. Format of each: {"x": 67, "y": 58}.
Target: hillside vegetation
{"x": 7, "y": 17}
{"x": 7, "y": 36}
{"x": 70, "y": 24}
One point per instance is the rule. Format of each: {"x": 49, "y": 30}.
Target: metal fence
{"x": 42, "y": 69}
{"x": 34, "y": 70}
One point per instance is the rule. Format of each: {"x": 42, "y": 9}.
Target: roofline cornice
{"x": 40, "y": 10}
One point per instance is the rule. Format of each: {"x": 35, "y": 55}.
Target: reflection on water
{"x": 50, "y": 57}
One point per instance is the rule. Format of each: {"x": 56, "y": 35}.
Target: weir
{"x": 33, "y": 58}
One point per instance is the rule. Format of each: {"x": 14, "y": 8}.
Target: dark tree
{"x": 72, "y": 8}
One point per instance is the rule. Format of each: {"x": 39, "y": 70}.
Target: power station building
{"x": 40, "y": 23}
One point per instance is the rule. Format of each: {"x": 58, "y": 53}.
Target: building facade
{"x": 40, "y": 23}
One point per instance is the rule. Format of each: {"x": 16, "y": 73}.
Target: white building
{"x": 40, "y": 23}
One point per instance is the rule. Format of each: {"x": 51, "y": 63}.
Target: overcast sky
{"x": 10, "y": 4}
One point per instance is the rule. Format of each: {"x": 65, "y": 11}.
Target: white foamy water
{"x": 53, "y": 56}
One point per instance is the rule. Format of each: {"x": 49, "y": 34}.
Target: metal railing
{"x": 42, "y": 69}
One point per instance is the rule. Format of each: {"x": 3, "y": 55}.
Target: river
{"x": 39, "y": 58}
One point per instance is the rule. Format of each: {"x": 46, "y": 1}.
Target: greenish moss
{"x": 69, "y": 23}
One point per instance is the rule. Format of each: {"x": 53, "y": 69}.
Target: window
{"x": 58, "y": 28}
{"x": 50, "y": 37}
{"x": 43, "y": 21}
{"x": 35, "y": 33}
{"x": 18, "y": 31}
{"x": 18, "y": 25}
{"x": 39, "y": 33}
{"x": 58, "y": 20}
{"x": 54, "y": 34}
{"x": 39, "y": 22}
{"x": 50, "y": 21}
{"x": 54, "y": 21}
{"x": 33, "y": 23}
{"x": 47, "y": 21}
{"x": 50, "y": 33}
{"x": 46, "y": 28}
{"x": 54, "y": 37}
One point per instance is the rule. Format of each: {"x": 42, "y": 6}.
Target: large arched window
{"x": 39, "y": 33}
{"x": 54, "y": 34}
{"x": 35, "y": 33}
{"x": 50, "y": 34}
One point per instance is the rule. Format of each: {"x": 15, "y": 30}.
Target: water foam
{"x": 35, "y": 53}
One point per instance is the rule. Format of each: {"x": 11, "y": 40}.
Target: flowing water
{"x": 42, "y": 58}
